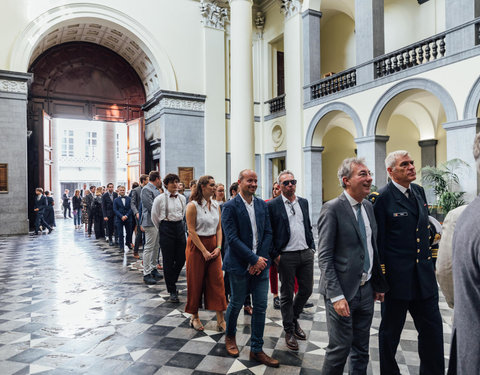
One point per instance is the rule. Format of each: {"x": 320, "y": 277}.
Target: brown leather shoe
{"x": 264, "y": 359}
{"x": 248, "y": 310}
{"x": 298, "y": 331}
{"x": 231, "y": 346}
{"x": 291, "y": 341}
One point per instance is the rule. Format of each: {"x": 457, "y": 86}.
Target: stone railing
{"x": 334, "y": 83}
{"x": 422, "y": 52}
{"x": 276, "y": 104}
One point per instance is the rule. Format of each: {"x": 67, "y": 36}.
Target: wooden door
{"x": 47, "y": 151}
{"x": 135, "y": 150}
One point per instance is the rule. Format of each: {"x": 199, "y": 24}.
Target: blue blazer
{"x": 239, "y": 237}
{"x": 41, "y": 204}
{"x": 120, "y": 210}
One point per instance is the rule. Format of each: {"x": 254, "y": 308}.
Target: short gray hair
{"x": 345, "y": 169}
{"x": 476, "y": 151}
{"x": 391, "y": 158}
{"x": 282, "y": 173}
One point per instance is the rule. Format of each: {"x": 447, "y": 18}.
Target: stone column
{"x": 374, "y": 150}
{"x": 429, "y": 152}
{"x": 313, "y": 180}
{"x": 56, "y": 147}
{"x": 213, "y": 19}
{"x": 460, "y": 136}
{"x": 311, "y": 48}
{"x": 369, "y": 36}
{"x": 458, "y": 12}
{"x": 109, "y": 159}
{"x": 242, "y": 141}
{"x": 292, "y": 42}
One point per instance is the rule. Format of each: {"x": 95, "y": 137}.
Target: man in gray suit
{"x": 466, "y": 282}
{"x": 135, "y": 205}
{"x": 351, "y": 277}
{"x": 150, "y": 250}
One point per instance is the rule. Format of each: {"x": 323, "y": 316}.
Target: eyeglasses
{"x": 365, "y": 174}
{"x": 287, "y": 182}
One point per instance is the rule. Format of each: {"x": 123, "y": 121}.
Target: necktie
{"x": 409, "y": 195}
{"x": 361, "y": 225}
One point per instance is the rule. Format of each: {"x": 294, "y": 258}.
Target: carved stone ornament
{"x": 260, "y": 21}
{"x": 13, "y": 86}
{"x": 213, "y": 16}
{"x": 172, "y": 103}
{"x": 277, "y": 135}
{"x": 290, "y": 7}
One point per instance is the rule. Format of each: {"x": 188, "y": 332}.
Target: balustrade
{"x": 276, "y": 104}
{"x": 334, "y": 83}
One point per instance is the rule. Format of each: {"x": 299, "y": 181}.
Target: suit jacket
{"x": 41, "y": 204}
{"x": 237, "y": 228}
{"x": 281, "y": 227}
{"x": 66, "y": 200}
{"x": 149, "y": 192}
{"x": 135, "y": 199}
{"x": 121, "y": 210}
{"x": 107, "y": 204}
{"x": 341, "y": 251}
{"x": 404, "y": 243}
{"x": 88, "y": 201}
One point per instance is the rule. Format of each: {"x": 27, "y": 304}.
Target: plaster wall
{"x": 404, "y": 135}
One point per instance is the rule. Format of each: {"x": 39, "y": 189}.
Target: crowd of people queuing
{"x": 377, "y": 249}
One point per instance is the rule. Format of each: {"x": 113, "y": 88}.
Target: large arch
{"x": 64, "y": 15}
{"x": 473, "y": 99}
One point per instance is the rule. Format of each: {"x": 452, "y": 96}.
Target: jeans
{"x": 240, "y": 286}
{"x": 77, "y": 217}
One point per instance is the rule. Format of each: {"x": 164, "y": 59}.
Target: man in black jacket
{"x": 40, "y": 205}
{"x": 66, "y": 204}
{"x": 108, "y": 214}
{"x": 292, "y": 251}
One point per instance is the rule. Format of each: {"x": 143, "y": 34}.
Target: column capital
{"x": 427, "y": 142}
{"x": 213, "y": 16}
{"x": 290, "y": 7}
{"x": 313, "y": 149}
{"x": 260, "y": 23}
{"x": 461, "y": 124}
{"x": 15, "y": 82}
{"x": 372, "y": 138}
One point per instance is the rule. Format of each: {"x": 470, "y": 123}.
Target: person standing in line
{"x": 293, "y": 253}
{"x": 66, "y": 204}
{"x": 89, "y": 198}
{"x": 123, "y": 217}
{"x": 39, "y": 207}
{"x": 108, "y": 214}
{"x": 168, "y": 211}
{"x": 220, "y": 194}
{"x": 204, "y": 265}
{"x": 49, "y": 214}
{"x": 97, "y": 214}
{"x": 77, "y": 209}
{"x": 135, "y": 205}
{"x": 246, "y": 224}
{"x": 404, "y": 248}
{"x": 150, "y": 251}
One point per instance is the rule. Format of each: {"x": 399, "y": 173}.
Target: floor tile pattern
{"x": 74, "y": 305}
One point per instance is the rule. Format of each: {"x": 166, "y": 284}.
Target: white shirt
{"x": 207, "y": 219}
{"x": 297, "y": 229}
{"x": 251, "y": 213}
{"x": 167, "y": 207}
{"x": 402, "y": 188}
{"x": 123, "y": 200}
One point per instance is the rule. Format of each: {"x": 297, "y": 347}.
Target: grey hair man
{"x": 351, "y": 278}
{"x": 466, "y": 279}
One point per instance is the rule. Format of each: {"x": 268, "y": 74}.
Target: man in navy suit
{"x": 248, "y": 238}
{"x": 107, "y": 208}
{"x": 292, "y": 252}
{"x": 40, "y": 205}
{"x": 123, "y": 217}
{"x": 401, "y": 213}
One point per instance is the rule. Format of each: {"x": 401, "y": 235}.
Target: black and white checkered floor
{"x": 74, "y": 305}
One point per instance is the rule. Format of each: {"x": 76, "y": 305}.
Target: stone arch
{"x": 473, "y": 99}
{"x": 417, "y": 83}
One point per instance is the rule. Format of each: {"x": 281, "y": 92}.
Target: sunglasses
{"x": 287, "y": 182}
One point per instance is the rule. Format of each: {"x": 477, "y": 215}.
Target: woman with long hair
{"x": 220, "y": 194}
{"x": 77, "y": 209}
{"x": 204, "y": 264}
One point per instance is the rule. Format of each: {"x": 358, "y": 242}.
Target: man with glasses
{"x": 292, "y": 252}
{"x": 351, "y": 278}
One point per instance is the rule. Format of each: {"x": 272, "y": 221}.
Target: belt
{"x": 294, "y": 251}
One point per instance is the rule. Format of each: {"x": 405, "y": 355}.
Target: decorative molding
{"x": 290, "y": 7}
{"x": 13, "y": 86}
{"x": 278, "y": 135}
{"x": 260, "y": 23}
{"x": 213, "y": 16}
{"x": 173, "y": 100}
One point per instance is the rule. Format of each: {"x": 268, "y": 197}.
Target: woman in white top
{"x": 204, "y": 264}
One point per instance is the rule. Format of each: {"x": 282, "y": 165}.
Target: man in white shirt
{"x": 168, "y": 211}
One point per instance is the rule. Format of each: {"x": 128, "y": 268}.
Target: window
{"x": 67, "y": 143}
{"x": 3, "y": 178}
{"x": 91, "y": 145}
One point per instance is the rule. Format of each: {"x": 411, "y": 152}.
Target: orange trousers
{"x": 204, "y": 278}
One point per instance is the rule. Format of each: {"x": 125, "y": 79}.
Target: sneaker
{"x": 276, "y": 303}
{"x": 149, "y": 280}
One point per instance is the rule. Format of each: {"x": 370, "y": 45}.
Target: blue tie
{"x": 363, "y": 232}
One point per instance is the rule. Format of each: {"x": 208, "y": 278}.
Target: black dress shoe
{"x": 111, "y": 243}
{"x": 276, "y": 303}
{"x": 129, "y": 247}
{"x": 308, "y": 305}
{"x": 149, "y": 280}
{"x": 173, "y": 298}
{"x": 156, "y": 275}
{"x": 298, "y": 331}
{"x": 291, "y": 341}
{"x": 50, "y": 230}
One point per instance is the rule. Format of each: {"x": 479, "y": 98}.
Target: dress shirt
{"x": 123, "y": 200}
{"x": 207, "y": 219}
{"x": 251, "y": 213}
{"x": 111, "y": 196}
{"x": 297, "y": 239}
{"x": 169, "y": 207}
{"x": 402, "y": 188}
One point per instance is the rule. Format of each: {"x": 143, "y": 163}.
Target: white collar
{"x": 400, "y": 187}
{"x": 287, "y": 201}
{"x": 244, "y": 201}
{"x": 350, "y": 199}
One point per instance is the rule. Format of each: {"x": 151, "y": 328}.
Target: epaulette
{"x": 372, "y": 196}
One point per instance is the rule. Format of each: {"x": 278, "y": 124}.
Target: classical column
{"x": 213, "y": 19}
{"x": 374, "y": 150}
{"x": 369, "y": 36}
{"x": 311, "y": 48}
{"x": 458, "y": 12}
{"x": 57, "y": 144}
{"x": 429, "y": 152}
{"x": 242, "y": 141}
{"x": 313, "y": 179}
{"x": 292, "y": 42}
{"x": 109, "y": 159}
{"x": 460, "y": 136}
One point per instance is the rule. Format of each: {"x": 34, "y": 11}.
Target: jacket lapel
{"x": 242, "y": 212}
{"x": 283, "y": 213}
{"x": 349, "y": 213}
{"x": 258, "y": 220}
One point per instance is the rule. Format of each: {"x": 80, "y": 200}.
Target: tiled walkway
{"x": 71, "y": 304}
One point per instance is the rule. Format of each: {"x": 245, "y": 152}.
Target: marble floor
{"x": 74, "y": 305}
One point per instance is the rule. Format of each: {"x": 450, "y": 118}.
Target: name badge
{"x": 400, "y": 214}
